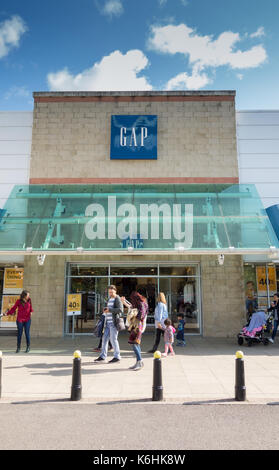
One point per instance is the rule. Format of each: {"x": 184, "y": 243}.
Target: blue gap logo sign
{"x": 133, "y": 137}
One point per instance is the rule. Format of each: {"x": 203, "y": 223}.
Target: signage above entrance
{"x": 133, "y": 137}
{"x": 136, "y": 218}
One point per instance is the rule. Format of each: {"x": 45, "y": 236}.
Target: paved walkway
{"x": 201, "y": 372}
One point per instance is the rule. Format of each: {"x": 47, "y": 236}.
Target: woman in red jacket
{"x": 24, "y": 311}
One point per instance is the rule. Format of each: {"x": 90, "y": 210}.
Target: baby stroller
{"x": 255, "y": 331}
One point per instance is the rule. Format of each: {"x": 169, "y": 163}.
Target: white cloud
{"x": 112, "y": 8}
{"x": 259, "y": 33}
{"x": 190, "y": 82}
{"x": 163, "y": 2}
{"x": 115, "y": 72}
{"x": 17, "y": 92}
{"x": 240, "y": 76}
{"x": 11, "y": 31}
{"x": 204, "y": 51}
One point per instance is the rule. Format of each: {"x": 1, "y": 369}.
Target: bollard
{"x": 157, "y": 378}
{"x": 76, "y": 377}
{"x": 240, "y": 389}
{"x": 0, "y": 374}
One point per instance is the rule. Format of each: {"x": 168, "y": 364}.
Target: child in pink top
{"x": 168, "y": 338}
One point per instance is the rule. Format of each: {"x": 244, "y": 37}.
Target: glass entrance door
{"x": 180, "y": 284}
{"x": 183, "y": 297}
{"x": 93, "y": 294}
{"x": 149, "y": 285}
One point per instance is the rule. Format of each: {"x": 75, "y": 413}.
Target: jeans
{"x": 159, "y": 333}
{"x": 26, "y": 327}
{"x": 100, "y": 343}
{"x": 137, "y": 351}
{"x": 275, "y": 326}
{"x": 110, "y": 334}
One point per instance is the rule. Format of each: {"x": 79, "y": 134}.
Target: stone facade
{"x": 196, "y": 141}
{"x": 71, "y": 139}
{"x": 223, "y": 302}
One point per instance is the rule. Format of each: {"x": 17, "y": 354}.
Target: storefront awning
{"x": 81, "y": 219}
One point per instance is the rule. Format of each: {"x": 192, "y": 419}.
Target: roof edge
{"x": 135, "y": 93}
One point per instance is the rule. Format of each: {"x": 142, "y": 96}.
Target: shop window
{"x": 77, "y": 270}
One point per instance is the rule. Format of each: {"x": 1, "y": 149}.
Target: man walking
{"x": 112, "y": 312}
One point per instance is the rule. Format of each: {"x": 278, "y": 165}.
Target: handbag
{"x": 98, "y": 330}
{"x": 120, "y": 324}
{"x": 132, "y": 320}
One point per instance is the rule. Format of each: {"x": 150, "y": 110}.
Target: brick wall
{"x": 196, "y": 139}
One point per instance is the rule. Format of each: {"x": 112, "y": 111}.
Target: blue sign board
{"x": 133, "y": 137}
{"x": 134, "y": 242}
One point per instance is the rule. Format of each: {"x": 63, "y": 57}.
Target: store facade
{"x": 135, "y": 189}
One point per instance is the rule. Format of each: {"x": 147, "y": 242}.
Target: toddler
{"x": 168, "y": 338}
{"x": 180, "y": 330}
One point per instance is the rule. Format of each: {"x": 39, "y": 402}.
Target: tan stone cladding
{"x": 222, "y": 288}
{"x": 196, "y": 139}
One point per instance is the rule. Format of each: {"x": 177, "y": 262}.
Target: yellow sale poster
{"x": 262, "y": 281}
{"x": 7, "y": 302}
{"x": 13, "y": 280}
{"x": 73, "y": 304}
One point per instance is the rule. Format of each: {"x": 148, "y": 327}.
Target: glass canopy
{"x": 143, "y": 218}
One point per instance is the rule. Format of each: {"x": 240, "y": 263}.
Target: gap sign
{"x": 133, "y": 137}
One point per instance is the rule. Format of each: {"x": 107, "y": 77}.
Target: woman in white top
{"x": 161, "y": 314}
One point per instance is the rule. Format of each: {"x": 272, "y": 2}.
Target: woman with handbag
{"x": 113, "y": 313}
{"x": 139, "y": 302}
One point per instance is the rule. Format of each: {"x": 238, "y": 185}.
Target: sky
{"x": 103, "y": 45}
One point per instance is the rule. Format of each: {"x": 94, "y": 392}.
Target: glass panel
{"x": 77, "y": 270}
{"x": 126, "y": 285}
{"x": 183, "y": 296}
{"x": 133, "y": 271}
{"x": 94, "y": 293}
{"x": 147, "y": 218}
{"x": 178, "y": 271}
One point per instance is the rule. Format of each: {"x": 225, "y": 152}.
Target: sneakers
{"x": 271, "y": 340}
{"x": 139, "y": 365}
{"x": 99, "y": 359}
{"x": 114, "y": 360}
{"x": 133, "y": 367}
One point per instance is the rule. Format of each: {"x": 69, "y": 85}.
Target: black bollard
{"x": 76, "y": 377}
{"x": 0, "y": 374}
{"x": 240, "y": 389}
{"x": 157, "y": 378}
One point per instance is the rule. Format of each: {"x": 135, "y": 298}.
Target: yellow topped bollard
{"x": 239, "y": 355}
{"x": 157, "y": 389}
{"x": 76, "y": 377}
{"x": 240, "y": 389}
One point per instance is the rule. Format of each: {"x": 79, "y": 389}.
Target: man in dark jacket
{"x": 112, "y": 312}
{"x": 275, "y": 308}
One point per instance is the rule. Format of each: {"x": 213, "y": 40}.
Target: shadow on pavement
{"x": 31, "y": 402}
{"x": 66, "y": 369}
{"x": 123, "y": 402}
{"x": 208, "y": 402}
